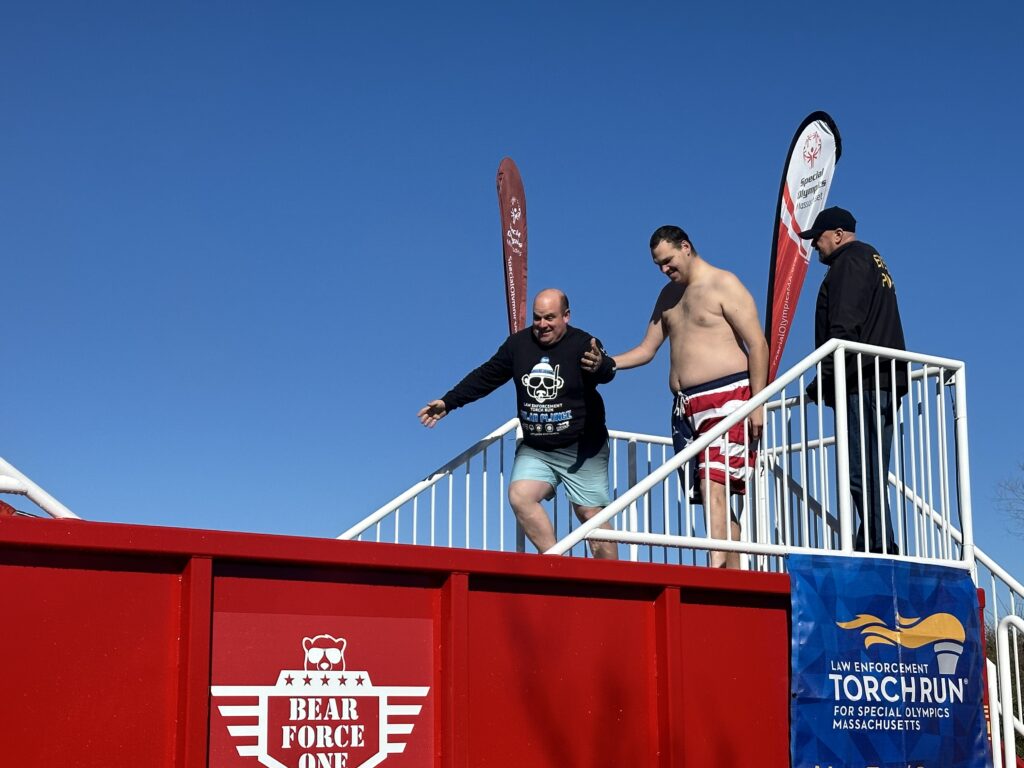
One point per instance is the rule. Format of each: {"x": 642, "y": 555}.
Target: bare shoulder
{"x": 669, "y": 297}
{"x": 725, "y": 281}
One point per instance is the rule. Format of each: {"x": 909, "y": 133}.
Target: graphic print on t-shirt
{"x": 543, "y": 382}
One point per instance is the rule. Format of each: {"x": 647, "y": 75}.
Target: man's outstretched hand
{"x": 432, "y": 413}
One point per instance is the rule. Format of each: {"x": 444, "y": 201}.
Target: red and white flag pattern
{"x": 806, "y": 181}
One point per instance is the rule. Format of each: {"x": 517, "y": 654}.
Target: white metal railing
{"x": 464, "y": 503}
{"x": 1004, "y": 597}
{"x": 13, "y": 481}
{"x": 450, "y": 522}
{"x": 1004, "y": 604}
{"x": 796, "y": 500}
{"x": 1009, "y": 639}
{"x": 799, "y": 495}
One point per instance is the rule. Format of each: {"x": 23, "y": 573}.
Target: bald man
{"x": 562, "y": 415}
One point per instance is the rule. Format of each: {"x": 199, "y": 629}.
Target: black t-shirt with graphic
{"x": 558, "y": 401}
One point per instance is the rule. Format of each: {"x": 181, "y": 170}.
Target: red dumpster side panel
{"x": 735, "y": 697}
{"x": 90, "y": 662}
{"x": 128, "y": 646}
{"x": 344, "y": 660}
{"x": 560, "y": 676}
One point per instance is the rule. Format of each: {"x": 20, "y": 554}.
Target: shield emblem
{"x": 310, "y": 719}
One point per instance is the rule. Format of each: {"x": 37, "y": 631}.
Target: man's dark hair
{"x": 672, "y": 235}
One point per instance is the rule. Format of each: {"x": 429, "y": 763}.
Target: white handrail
{"x": 838, "y": 349}
{"x": 1009, "y": 721}
{"x": 430, "y": 480}
{"x": 639, "y": 437}
{"x": 13, "y": 481}
{"x": 995, "y": 710}
{"x": 979, "y": 554}
{"x": 790, "y": 498}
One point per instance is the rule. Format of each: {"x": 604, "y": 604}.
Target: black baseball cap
{"x": 830, "y": 218}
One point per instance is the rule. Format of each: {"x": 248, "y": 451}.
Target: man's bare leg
{"x": 525, "y": 496}
{"x": 602, "y": 550}
{"x": 721, "y": 523}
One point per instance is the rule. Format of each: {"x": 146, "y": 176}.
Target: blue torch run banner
{"x": 886, "y": 665}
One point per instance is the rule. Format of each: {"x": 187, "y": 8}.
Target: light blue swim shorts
{"x": 586, "y": 484}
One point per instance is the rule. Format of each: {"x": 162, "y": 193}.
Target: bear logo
{"x": 324, "y": 653}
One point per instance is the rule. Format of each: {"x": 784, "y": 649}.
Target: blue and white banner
{"x": 886, "y": 665}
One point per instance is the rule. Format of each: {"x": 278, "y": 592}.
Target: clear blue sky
{"x": 243, "y": 242}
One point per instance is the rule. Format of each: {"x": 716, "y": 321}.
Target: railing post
{"x": 1005, "y": 691}
{"x": 520, "y": 533}
{"x": 994, "y": 724}
{"x": 634, "y": 524}
{"x": 963, "y": 470}
{"x": 842, "y": 451}
{"x": 760, "y": 521}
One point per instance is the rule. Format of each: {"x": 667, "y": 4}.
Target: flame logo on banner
{"x": 910, "y": 633}
{"x": 943, "y": 631}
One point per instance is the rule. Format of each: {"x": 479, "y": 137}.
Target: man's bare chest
{"x": 695, "y": 310}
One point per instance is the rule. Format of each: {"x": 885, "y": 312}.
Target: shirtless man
{"x": 719, "y": 359}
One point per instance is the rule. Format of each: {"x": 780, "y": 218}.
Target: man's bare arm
{"x": 654, "y": 337}
{"x": 643, "y": 352}
{"x": 740, "y": 311}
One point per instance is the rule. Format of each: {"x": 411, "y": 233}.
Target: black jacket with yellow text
{"x": 857, "y": 302}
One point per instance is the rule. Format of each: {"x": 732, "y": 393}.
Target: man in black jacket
{"x": 562, "y": 415}
{"x": 857, "y": 301}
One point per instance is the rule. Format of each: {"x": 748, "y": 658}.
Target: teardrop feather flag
{"x": 512, "y": 204}
{"x": 806, "y": 181}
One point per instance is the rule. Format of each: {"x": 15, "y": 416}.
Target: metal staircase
{"x": 797, "y": 500}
